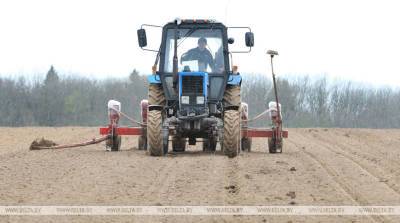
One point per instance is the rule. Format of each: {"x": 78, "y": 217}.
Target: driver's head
{"x": 202, "y": 43}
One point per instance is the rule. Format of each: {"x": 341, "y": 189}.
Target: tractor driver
{"x": 201, "y": 54}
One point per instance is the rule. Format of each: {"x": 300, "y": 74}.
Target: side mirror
{"x": 231, "y": 40}
{"x": 141, "y": 33}
{"x": 249, "y": 36}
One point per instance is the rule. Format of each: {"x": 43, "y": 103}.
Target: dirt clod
{"x": 292, "y": 203}
{"x": 292, "y": 168}
{"x": 232, "y": 189}
{"x": 41, "y": 142}
{"x": 291, "y": 194}
{"x": 247, "y": 176}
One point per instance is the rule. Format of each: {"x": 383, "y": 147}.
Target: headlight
{"x": 185, "y": 99}
{"x": 200, "y": 100}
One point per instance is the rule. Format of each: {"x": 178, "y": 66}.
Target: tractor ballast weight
{"x": 195, "y": 93}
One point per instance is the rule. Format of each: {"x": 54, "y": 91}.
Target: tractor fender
{"x": 234, "y": 79}
{"x": 154, "y": 79}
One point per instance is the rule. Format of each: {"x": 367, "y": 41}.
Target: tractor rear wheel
{"x": 154, "y": 121}
{"x": 154, "y": 133}
{"x": 232, "y": 96}
{"x": 156, "y": 95}
{"x": 209, "y": 145}
{"x": 231, "y": 141}
{"x": 178, "y": 144}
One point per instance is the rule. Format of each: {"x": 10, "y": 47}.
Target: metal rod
{"x": 275, "y": 90}
{"x": 175, "y": 59}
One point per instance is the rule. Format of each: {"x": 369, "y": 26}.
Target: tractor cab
{"x": 198, "y": 50}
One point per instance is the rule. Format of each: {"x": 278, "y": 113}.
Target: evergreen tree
{"x": 51, "y": 77}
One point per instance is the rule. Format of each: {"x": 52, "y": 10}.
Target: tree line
{"x": 60, "y": 100}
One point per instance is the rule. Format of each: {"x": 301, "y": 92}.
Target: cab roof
{"x": 203, "y": 23}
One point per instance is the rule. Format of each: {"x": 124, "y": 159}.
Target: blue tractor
{"x": 194, "y": 92}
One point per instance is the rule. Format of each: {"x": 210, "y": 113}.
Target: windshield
{"x": 198, "y": 50}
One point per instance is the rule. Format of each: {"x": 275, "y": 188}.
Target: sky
{"x": 343, "y": 39}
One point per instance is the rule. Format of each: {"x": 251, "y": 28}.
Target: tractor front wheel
{"x": 178, "y": 144}
{"x": 154, "y": 133}
{"x": 142, "y": 142}
{"x": 231, "y": 141}
{"x": 209, "y": 145}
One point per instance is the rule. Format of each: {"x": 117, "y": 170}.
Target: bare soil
{"x": 317, "y": 167}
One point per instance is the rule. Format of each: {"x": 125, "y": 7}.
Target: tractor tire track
{"x": 159, "y": 182}
{"x": 332, "y": 173}
{"x": 350, "y": 184}
{"x": 334, "y": 148}
{"x": 334, "y": 176}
